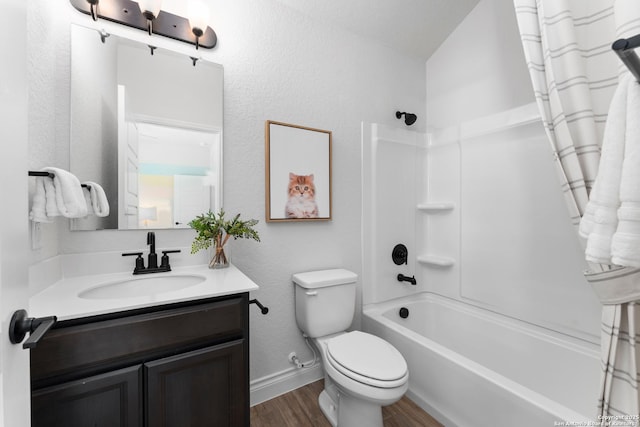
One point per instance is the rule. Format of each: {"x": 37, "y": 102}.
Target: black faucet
{"x": 153, "y": 258}
{"x": 152, "y": 266}
{"x": 403, "y": 278}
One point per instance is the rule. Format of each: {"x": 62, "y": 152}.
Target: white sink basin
{"x": 142, "y": 286}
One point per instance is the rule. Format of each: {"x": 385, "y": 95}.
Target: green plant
{"x": 212, "y": 228}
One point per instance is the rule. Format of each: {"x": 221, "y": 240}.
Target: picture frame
{"x": 298, "y": 173}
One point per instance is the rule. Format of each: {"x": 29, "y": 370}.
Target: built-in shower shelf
{"x": 436, "y": 207}
{"x": 436, "y": 260}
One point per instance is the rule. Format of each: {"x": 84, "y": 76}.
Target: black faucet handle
{"x": 139, "y": 261}
{"x": 165, "y": 258}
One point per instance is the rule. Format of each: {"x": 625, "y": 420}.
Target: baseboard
{"x": 270, "y": 386}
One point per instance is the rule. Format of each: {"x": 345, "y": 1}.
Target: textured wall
{"x": 48, "y": 56}
{"x": 93, "y": 130}
{"x": 279, "y": 65}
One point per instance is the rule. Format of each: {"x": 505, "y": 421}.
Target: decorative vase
{"x": 219, "y": 258}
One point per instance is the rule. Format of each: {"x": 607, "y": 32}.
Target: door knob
{"x": 20, "y": 325}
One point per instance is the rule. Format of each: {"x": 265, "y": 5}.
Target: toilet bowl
{"x": 362, "y": 372}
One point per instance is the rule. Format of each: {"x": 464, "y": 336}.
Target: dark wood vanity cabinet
{"x": 179, "y": 365}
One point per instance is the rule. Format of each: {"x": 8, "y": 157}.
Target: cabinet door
{"x": 107, "y": 400}
{"x": 202, "y": 388}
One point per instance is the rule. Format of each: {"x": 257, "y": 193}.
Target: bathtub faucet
{"x": 403, "y": 278}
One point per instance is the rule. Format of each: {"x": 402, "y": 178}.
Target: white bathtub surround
{"x": 487, "y": 256}
{"x": 573, "y": 90}
{"x": 391, "y": 160}
{"x": 472, "y": 367}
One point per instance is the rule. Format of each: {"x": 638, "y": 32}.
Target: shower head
{"x": 409, "y": 118}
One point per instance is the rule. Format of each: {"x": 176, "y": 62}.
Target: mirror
{"x": 147, "y": 128}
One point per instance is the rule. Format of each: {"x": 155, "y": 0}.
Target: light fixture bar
{"x": 166, "y": 24}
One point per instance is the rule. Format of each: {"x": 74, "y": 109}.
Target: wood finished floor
{"x": 299, "y": 408}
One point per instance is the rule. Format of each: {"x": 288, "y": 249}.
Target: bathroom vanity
{"x": 169, "y": 362}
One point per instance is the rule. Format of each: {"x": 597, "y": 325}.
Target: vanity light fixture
{"x": 150, "y": 10}
{"x": 147, "y": 15}
{"x": 198, "y": 18}
{"x": 93, "y": 9}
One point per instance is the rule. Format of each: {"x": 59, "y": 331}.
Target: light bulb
{"x": 198, "y": 15}
{"x": 150, "y": 6}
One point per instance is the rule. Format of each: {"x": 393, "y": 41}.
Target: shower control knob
{"x": 399, "y": 254}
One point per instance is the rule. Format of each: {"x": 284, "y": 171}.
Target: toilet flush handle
{"x": 311, "y": 293}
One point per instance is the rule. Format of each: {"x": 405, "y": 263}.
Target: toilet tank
{"x": 325, "y": 301}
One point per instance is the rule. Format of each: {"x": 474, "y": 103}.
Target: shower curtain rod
{"x": 624, "y": 49}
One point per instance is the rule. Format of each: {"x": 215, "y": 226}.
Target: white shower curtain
{"x": 567, "y": 45}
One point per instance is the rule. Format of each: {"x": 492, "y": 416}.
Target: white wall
{"x": 480, "y": 69}
{"x": 279, "y": 65}
{"x": 514, "y": 247}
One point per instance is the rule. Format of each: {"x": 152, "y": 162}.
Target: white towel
{"x": 50, "y": 195}
{"x": 96, "y": 199}
{"x": 87, "y": 199}
{"x": 68, "y": 194}
{"x": 625, "y": 244}
{"x": 600, "y": 219}
{"x": 39, "y": 204}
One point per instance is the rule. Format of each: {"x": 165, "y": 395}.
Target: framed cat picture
{"x": 298, "y": 173}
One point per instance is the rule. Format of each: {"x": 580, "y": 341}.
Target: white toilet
{"x": 362, "y": 372}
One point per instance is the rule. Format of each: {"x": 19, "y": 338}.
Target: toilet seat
{"x": 367, "y": 359}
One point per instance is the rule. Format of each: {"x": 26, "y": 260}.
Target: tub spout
{"x": 403, "y": 278}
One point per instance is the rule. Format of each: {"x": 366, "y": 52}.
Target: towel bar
{"x": 50, "y": 175}
{"x": 624, "y": 49}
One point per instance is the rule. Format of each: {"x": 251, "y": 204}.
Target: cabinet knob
{"x": 21, "y": 324}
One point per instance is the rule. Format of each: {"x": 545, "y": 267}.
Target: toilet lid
{"x": 367, "y": 358}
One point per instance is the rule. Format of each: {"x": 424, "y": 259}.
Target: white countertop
{"x": 61, "y": 299}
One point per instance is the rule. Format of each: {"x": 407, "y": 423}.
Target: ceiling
{"x": 414, "y": 27}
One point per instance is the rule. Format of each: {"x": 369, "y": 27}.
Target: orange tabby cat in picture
{"x": 302, "y": 197}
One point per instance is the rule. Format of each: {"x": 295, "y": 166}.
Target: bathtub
{"x": 472, "y": 367}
